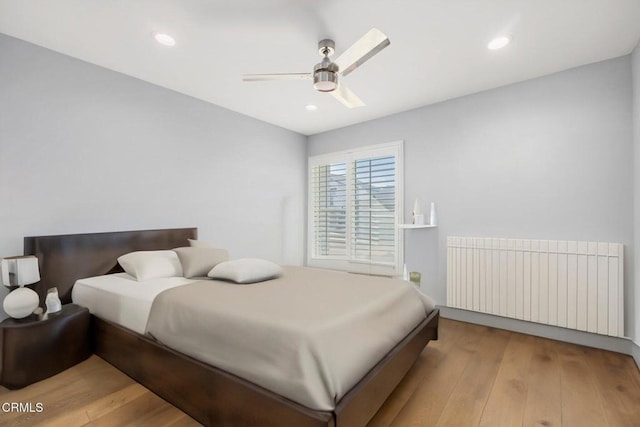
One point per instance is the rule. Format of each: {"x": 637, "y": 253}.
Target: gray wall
{"x": 549, "y": 158}
{"x": 636, "y": 181}
{"x": 86, "y": 149}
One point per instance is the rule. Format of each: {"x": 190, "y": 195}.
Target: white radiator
{"x": 577, "y": 285}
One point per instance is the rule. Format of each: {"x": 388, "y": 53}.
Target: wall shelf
{"x": 411, "y": 226}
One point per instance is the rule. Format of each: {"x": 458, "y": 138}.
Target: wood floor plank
{"x": 582, "y": 405}
{"x": 510, "y": 387}
{"x": 99, "y": 407}
{"x": 544, "y": 387}
{"x": 72, "y": 418}
{"x": 468, "y": 399}
{"x": 114, "y": 401}
{"x": 184, "y": 421}
{"x": 167, "y": 415}
{"x": 617, "y": 385}
{"x": 132, "y": 413}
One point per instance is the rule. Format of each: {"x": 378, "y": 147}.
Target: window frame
{"x": 346, "y": 263}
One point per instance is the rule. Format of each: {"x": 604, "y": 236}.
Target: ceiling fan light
{"x": 498, "y": 43}
{"x": 164, "y": 39}
{"x": 325, "y": 81}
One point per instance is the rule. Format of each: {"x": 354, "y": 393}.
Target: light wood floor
{"x": 472, "y": 376}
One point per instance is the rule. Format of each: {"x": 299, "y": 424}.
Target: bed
{"x": 209, "y": 394}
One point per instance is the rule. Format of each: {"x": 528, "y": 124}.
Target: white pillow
{"x": 198, "y": 261}
{"x": 198, "y": 244}
{"x": 145, "y": 265}
{"x": 246, "y": 270}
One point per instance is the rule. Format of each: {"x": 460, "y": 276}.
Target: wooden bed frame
{"x": 211, "y": 396}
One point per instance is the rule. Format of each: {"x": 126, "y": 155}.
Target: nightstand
{"x": 32, "y": 350}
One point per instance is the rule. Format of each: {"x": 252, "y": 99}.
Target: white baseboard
{"x": 619, "y": 345}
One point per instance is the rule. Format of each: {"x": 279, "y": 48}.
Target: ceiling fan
{"x": 325, "y": 73}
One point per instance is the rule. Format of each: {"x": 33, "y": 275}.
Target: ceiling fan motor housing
{"x": 325, "y": 75}
{"x": 326, "y": 47}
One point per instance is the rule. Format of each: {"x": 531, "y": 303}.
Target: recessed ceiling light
{"x": 164, "y": 39}
{"x": 311, "y": 107}
{"x": 498, "y": 43}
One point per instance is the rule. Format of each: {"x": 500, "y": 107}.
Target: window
{"x": 355, "y": 204}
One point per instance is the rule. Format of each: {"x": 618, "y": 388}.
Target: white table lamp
{"x": 20, "y": 271}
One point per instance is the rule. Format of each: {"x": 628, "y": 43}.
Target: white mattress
{"x": 121, "y": 299}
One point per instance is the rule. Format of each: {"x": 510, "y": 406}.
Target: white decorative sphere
{"x": 21, "y": 303}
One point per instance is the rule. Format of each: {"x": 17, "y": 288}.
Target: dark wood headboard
{"x": 66, "y": 258}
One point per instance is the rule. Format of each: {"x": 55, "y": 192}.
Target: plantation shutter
{"x": 373, "y": 218}
{"x": 330, "y": 209}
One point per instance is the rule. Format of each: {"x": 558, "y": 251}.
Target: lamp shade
{"x": 20, "y": 270}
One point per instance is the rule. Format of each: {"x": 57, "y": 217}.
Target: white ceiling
{"x": 437, "y": 52}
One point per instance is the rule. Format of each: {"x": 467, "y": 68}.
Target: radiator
{"x": 571, "y": 284}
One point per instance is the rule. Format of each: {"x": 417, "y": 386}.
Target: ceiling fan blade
{"x": 362, "y": 50}
{"x": 348, "y": 98}
{"x": 284, "y": 76}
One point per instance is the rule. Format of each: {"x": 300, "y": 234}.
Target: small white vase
{"x": 416, "y": 212}
{"x": 433, "y": 219}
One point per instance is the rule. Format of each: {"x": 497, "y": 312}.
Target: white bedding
{"x": 121, "y": 299}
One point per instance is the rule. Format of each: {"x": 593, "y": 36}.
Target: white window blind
{"x": 330, "y": 209}
{"x": 373, "y": 220}
{"x": 355, "y": 202}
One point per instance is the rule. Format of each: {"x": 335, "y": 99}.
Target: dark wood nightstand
{"x": 32, "y": 350}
